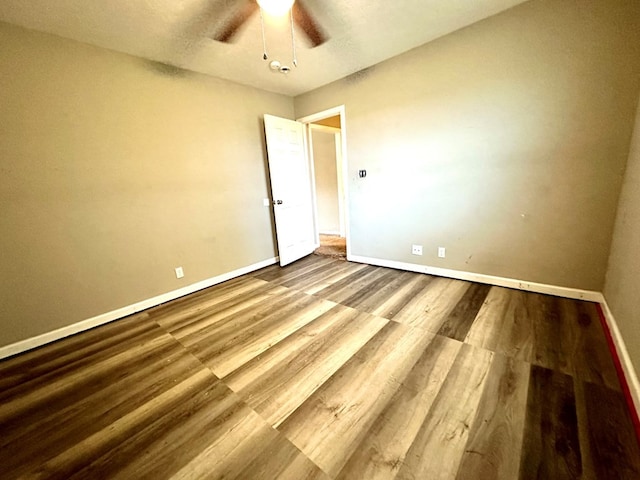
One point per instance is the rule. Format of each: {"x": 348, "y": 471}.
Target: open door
{"x": 290, "y": 188}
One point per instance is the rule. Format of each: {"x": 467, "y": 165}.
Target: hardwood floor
{"x": 325, "y": 370}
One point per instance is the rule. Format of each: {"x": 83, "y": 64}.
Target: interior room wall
{"x": 114, "y": 171}
{"x": 623, "y": 275}
{"x": 326, "y": 180}
{"x": 504, "y": 142}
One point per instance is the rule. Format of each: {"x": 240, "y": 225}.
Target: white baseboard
{"x": 409, "y": 267}
{"x": 566, "y": 292}
{"x": 333, "y": 233}
{"x": 33, "y": 342}
{"x": 623, "y": 355}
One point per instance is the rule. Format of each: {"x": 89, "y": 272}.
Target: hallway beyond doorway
{"x": 332, "y": 246}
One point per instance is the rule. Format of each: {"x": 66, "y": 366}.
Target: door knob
{"x": 278, "y": 202}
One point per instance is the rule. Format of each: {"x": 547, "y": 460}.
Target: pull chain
{"x": 293, "y": 39}
{"x": 264, "y": 38}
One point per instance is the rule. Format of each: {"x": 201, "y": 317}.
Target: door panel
{"x": 290, "y": 188}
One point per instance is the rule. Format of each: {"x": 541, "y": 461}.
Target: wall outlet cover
{"x": 179, "y": 272}
{"x": 442, "y": 252}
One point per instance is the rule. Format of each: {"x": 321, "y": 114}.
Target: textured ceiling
{"x": 178, "y": 32}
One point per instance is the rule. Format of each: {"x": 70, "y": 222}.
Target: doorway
{"x": 326, "y": 145}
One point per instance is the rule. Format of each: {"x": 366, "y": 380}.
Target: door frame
{"x": 343, "y": 174}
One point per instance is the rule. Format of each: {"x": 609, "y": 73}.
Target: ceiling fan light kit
{"x": 277, "y": 8}
{"x": 299, "y": 17}
{"x": 275, "y": 64}
{"x": 298, "y": 14}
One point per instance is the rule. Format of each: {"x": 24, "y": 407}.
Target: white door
{"x": 290, "y": 188}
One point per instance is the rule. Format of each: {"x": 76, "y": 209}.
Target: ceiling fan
{"x": 242, "y": 10}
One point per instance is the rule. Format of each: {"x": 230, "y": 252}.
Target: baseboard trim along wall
{"x": 33, "y": 342}
{"x": 566, "y": 292}
{"x": 626, "y": 371}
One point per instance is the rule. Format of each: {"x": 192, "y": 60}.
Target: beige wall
{"x": 622, "y": 286}
{"x": 504, "y": 142}
{"x": 326, "y": 179}
{"x": 113, "y": 171}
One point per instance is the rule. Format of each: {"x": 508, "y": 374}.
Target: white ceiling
{"x": 177, "y": 32}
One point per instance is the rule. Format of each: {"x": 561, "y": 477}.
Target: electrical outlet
{"x": 416, "y": 249}
{"x": 179, "y": 272}
{"x": 442, "y": 252}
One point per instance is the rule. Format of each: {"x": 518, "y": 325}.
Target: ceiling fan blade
{"x": 309, "y": 26}
{"x": 230, "y": 28}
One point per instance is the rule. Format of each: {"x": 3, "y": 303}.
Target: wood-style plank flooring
{"x": 325, "y": 369}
